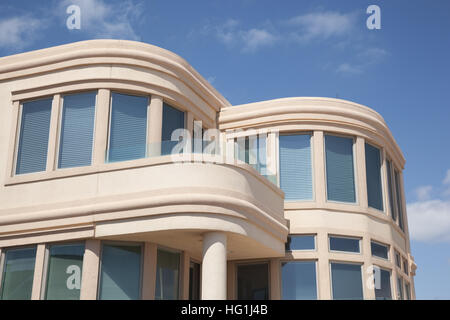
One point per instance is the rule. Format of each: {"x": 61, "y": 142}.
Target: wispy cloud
{"x": 20, "y": 32}
{"x": 363, "y": 59}
{"x": 321, "y": 25}
{"x": 101, "y": 19}
{"x": 429, "y": 219}
{"x": 347, "y": 68}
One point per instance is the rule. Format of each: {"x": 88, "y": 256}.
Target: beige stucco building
{"x": 296, "y": 198}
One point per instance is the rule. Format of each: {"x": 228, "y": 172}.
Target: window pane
{"x": 400, "y": 288}
{"x": 383, "y": 292}
{"x": 398, "y": 262}
{"x": 295, "y": 167}
{"x": 128, "y": 129}
{"x": 172, "y": 119}
{"x": 300, "y": 243}
{"x": 339, "y": 166}
{"x": 253, "y": 282}
{"x": 407, "y": 292}
{"x": 405, "y": 266}
{"x": 379, "y": 250}
{"x": 77, "y": 130}
{"x": 34, "y": 132}
{"x": 18, "y": 273}
{"x": 391, "y": 192}
{"x": 64, "y": 272}
{"x": 344, "y": 244}
{"x": 373, "y": 175}
{"x": 299, "y": 280}
{"x": 167, "y": 275}
{"x": 346, "y": 281}
{"x": 399, "y": 199}
{"x": 120, "y": 272}
{"x": 194, "y": 281}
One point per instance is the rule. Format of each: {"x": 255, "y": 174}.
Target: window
{"x": 407, "y": 291}
{"x": 299, "y": 280}
{"x": 379, "y": 250}
{"x": 390, "y": 189}
{"x": 77, "y": 130}
{"x": 398, "y": 261}
{"x": 194, "y": 281}
{"x": 346, "y": 281}
{"x": 128, "y": 127}
{"x": 253, "y": 282}
{"x": 344, "y": 244}
{"x": 172, "y": 119}
{"x": 167, "y": 275}
{"x": 295, "y": 167}
{"x": 18, "y": 273}
{"x": 65, "y": 264}
{"x": 300, "y": 242}
{"x": 339, "y": 169}
{"x": 405, "y": 266}
{"x": 120, "y": 275}
{"x": 34, "y": 134}
{"x": 373, "y": 176}
{"x": 399, "y": 199}
{"x": 400, "y": 288}
{"x": 383, "y": 285}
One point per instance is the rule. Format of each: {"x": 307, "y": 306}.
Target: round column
{"x": 214, "y": 266}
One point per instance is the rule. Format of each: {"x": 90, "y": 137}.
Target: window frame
{"x": 100, "y": 264}
{"x": 180, "y": 252}
{"x": 345, "y": 237}
{"x": 387, "y": 246}
{"x": 355, "y": 169}
{"x": 361, "y": 264}
{"x": 314, "y": 235}
{"x": 59, "y": 127}
{"x": 381, "y": 173}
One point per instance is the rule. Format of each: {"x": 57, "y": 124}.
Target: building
{"x": 304, "y": 200}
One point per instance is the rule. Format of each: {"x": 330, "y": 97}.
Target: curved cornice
{"x": 283, "y": 111}
{"x": 79, "y": 53}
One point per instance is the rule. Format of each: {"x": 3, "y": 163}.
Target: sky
{"x": 254, "y": 50}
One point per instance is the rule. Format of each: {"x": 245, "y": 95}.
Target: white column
{"x": 214, "y": 267}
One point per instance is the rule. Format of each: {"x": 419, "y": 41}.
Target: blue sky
{"x": 253, "y": 50}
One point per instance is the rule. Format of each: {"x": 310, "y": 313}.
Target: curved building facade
{"x": 126, "y": 175}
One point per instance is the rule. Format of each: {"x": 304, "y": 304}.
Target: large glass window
{"x": 128, "y": 127}
{"x": 194, "y": 281}
{"x": 120, "y": 277}
{"x": 399, "y": 288}
{"x": 295, "y": 167}
{"x": 391, "y": 190}
{"x": 345, "y": 244}
{"x": 77, "y": 130}
{"x": 299, "y": 280}
{"x": 167, "y": 275}
{"x": 346, "y": 281}
{"x": 300, "y": 242}
{"x": 253, "y": 281}
{"x": 383, "y": 290}
{"x": 405, "y": 266}
{"x": 18, "y": 272}
{"x": 398, "y": 261}
{"x": 34, "y": 134}
{"x": 407, "y": 291}
{"x": 399, "y": 199}
{"x": 373, "y": 176}
{"x": 172, "y": 119}
{"x": 65, "y": 265}
{"x": 379, "y": 250}
{"x": 339, "y": 167}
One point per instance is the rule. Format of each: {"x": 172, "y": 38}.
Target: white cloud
{"x": 447, "y": 178}
{"x": 346, "y": 68}
{"x": 107, "y": 20}
{"x": 423, "y": 193}
{"x": 429, "y": 221}
{"x": 20, "y": 32}
{"x": 249, "y": 40}
{"x": 321, "y": 25}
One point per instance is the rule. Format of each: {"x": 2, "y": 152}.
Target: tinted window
{"x": 379, "y": 250}
{"x": 344, "y": 244}
{"x": 346, "y": 281}
{"x": 299, "y": 280}
{"x": 297, "y": 242}
{"x": 253, "y": 282}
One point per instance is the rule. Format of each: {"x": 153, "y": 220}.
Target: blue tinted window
{"x": 379, "y": 250}
{"x": 128, "y": 128}
{"x": 77, "y": 130}
{"x": 300, "y": 242}
{"x": 344, "y": 244}
{"x": 253, "y": 282}
{"x": 383, "y": 290}
{"x": 172, "y": 119}
{"x": 167, "y": 275}
{"x": 34, "y": 133}
{"x": 346, "y": 281}
{"x": 340, "y": 171}
{"x": 373, "y": 176}
{"x": 299, "y": 280}
{"x": 295, "y": 167}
